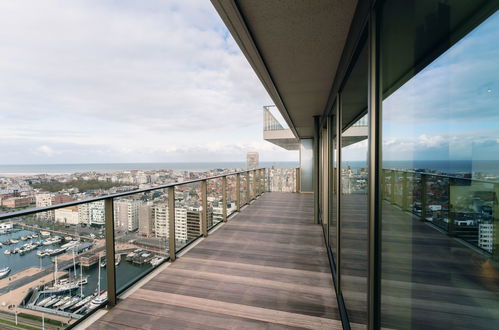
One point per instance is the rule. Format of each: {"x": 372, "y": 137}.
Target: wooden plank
{"x": 210, "y": 319}
{"x": 266, "y": 268}
{"x": 278, "y": 299}
{"x": 319, "y": 279}
{"x": 256, "y": 313}
{"x": 105, "y": 325}
{"x": 250, "y": 281}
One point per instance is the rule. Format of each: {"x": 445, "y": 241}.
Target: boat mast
{"x": 81, "y": 279}
{"x": 74, "y": 264}
{"x": 98, "y": 278}
{"x": 55, "y": 271}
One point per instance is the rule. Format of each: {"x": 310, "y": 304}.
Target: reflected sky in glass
{"x": 449, "y": 110}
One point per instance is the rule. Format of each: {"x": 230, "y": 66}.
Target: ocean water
{"x": 116, "y": 167}
{"x": 444, "y": 166}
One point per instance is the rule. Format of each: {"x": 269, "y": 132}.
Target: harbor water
{"x": 126, "y": 271}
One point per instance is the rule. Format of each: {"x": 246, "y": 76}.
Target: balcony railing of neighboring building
{"x": 461, "y": 207}
{"x": 274, "y": 132}
{"x": 362, "y": 122}
{"x": 138, "y": 232}
{"x": 270, "y": 123}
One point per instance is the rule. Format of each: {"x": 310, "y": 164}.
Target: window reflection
{"x": 354, "y": 203}
{"x": 441, "y": 183}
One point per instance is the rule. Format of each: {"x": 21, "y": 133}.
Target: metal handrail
{"x": 450, "y": 228}
{"x": 6, "y": 216}
{"x": 252, "y": 189}
{"x": 441, "y": 175}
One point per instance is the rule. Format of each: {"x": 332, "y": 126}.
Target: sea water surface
{"x": 116, "y": 167}
{"x": 444, "y": 166}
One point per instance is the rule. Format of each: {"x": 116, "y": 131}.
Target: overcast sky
{"x": 125, "y": 81}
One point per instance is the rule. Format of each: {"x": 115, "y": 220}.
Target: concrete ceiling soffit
{"x": 231, "y": 16}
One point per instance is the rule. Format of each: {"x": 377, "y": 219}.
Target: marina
{"x": 43, "y": 272}
{"x": 82, "y": 290}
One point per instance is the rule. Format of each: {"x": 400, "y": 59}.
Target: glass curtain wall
{"x": 440, "y": 149}
{"x": 354, "y": 203}
{"x": 332, "y": 187}
{"x": 324, "y": 182}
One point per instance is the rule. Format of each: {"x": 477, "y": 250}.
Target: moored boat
{"x": 62, "y": 301}
{"x": 52, "y": 301}
{"x": 4, "y": 271}
{"x": 70, "y": 303}
{"x": 82, "y": 302}
{"x": 99, "y": 300}
{"x": 44, "y": 301}
{"x": 117, "y": 259}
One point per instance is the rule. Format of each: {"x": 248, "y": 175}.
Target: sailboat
{"x": 60, "y": 286}
{"x": 44, "y": 301}
{"x": 63, "y": 301}
{"x": 70, "y": 303}
{"x": 82, "y": 302}
{"x": 52, "y": 301}
{"x": 101, "y": 296}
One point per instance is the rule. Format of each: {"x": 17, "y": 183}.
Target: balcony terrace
{"x": 266, "y": 268}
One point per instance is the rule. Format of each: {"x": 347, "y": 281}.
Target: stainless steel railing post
{"x": 224, "y": 199}
{"x": 171, "y": 223}
{"x": 238, "y": 192}
{"x": 204, "y": 206}
{"x": 110, "y": 267}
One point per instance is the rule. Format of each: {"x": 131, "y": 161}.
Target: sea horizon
{"x": 446, "y": 166}
{"x": 61, "y": 169}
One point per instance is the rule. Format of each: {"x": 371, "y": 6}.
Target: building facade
{"x": 43, "y": 200}
{"x": 126, "y": 215}
{"x": 67, "y": 215}
{"x": 146, "y": 220}
{"x": 96, "y": 214}
{"x": 161, "y": 228}
{"x": 252, "y": 160}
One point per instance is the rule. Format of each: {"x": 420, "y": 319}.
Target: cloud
{"x": 460, "y": 86}
{"x": 450, "y": 146}
{"x": 123, "y": 76}
{"x": 46, "y": 150}
{"x": 449, "y": 109}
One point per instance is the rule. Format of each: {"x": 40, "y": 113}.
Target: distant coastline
{"x": 444, "y": 166}
{"x": 62, "y": 169}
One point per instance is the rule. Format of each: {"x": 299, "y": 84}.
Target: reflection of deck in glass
{"x": 426, "y": 274}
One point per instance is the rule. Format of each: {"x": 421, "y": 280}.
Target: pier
{"x": 52, "y": 231}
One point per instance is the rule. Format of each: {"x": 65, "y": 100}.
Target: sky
{"x": 92, "y": 81}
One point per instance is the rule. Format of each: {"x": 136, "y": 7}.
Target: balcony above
{"x": 274, "y": 132}
{"x": 294, "y": 49}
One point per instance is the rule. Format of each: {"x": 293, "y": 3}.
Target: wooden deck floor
{"x": 266, "y": 268}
